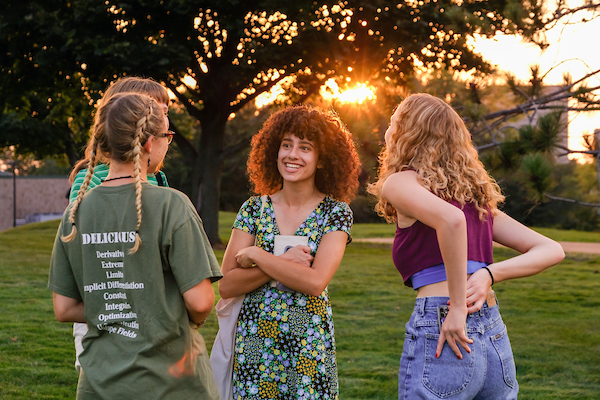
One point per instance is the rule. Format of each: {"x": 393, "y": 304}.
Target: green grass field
{"x": 553, "y": 320}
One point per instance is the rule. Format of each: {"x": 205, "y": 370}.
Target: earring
{"x": 148, "y": 160}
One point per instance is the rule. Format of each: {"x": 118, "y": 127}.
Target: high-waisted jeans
{"x": 488, "y": 372}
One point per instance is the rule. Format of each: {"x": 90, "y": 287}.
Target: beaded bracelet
{"x": 197, "y": 325}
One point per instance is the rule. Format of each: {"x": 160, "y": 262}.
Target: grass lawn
{"x": 553, "y": 321}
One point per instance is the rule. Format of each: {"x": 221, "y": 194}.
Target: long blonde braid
{"x": 93, "y": 156}
{"x": 141, "y": 127}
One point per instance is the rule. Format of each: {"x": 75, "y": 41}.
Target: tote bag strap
{"x": 263, "y": 200}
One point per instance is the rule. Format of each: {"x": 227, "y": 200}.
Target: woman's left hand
{"x": 244, "y": 257}
{"x": 478, "y": 286}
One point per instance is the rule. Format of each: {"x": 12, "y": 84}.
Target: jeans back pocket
{"x": 447, "y": 375}
{"x": 501, "y": 343}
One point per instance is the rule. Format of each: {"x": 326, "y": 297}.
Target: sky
{"x": 573, "y": 49}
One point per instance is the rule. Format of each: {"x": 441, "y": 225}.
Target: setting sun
{"x": 357, "y": 94}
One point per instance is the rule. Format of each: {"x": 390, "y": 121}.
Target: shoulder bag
{"x": 222, "y": 354}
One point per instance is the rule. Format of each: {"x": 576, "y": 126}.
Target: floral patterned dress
{"x": 285, "y": 344}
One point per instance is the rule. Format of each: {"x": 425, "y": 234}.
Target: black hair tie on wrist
{"x": 490, "y": 272}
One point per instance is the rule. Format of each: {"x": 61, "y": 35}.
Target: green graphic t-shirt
{"x": 140, "y": 344}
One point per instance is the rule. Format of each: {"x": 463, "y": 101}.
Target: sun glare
{"x": 266, "y": 98}
{"x": 357, "y": 94}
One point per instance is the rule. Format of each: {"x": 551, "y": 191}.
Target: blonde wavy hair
{"x": 130, "y": 119}
{"x": 429, "y": 137}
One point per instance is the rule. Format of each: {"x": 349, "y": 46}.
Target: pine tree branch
{"x": 572, "y": 201}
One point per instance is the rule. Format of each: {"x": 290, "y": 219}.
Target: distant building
{"x": 26, "y": 199}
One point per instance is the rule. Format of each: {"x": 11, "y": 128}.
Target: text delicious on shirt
{"x": 116, "y": 303}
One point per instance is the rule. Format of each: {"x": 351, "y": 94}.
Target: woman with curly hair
{"x": 305, "y": 168}
{"x": 445, "y": 205}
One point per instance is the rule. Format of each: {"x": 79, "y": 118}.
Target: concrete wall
{"x": 34, "y": 196}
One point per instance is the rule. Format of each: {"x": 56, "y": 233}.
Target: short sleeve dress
{"x": 284, "y": 343}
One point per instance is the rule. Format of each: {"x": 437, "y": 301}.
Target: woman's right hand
{"x": 453, "y": 332}
{"x": 299, "y": 254}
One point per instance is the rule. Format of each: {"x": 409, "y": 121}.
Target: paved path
{"x": 569, "y": 247}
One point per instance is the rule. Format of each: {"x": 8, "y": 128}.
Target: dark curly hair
{"x": 339, "y": 165}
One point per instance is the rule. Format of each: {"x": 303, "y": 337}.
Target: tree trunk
{"x": 211, "y": 167}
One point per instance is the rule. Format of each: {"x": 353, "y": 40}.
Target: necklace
{"x": 120, "y": 177}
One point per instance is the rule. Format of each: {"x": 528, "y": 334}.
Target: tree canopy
{"x": 218, "y": 56}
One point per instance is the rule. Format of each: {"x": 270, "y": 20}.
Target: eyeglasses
{"x": 169, "y": 135}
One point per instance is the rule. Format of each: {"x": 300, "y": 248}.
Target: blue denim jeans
{"x": 488, "y": 372}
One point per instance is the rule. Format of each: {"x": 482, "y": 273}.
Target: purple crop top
{"x": 416, "y": 247}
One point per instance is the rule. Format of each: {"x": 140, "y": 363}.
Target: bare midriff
{"x": 438, "y": 289}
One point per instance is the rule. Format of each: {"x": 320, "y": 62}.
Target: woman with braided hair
{"x": 131, "y": 84}
{"x": 132, "y": 261}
